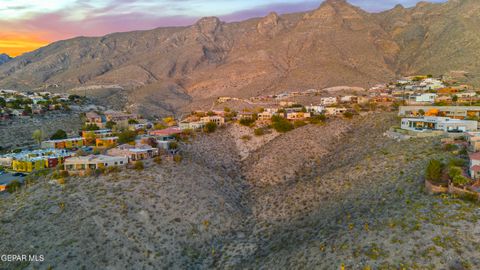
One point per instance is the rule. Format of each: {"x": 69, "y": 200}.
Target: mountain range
{"x": 4, "y": 58}
{"x": 166, "y": 70}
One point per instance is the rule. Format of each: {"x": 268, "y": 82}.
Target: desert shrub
{"x": 173, "y": 145}
{"x": 90, "y": 127}
{"x": 434, "y": 170}
{"x": 281, "y": 124}
{"x": 110, "y": 124}
{"x": 454, "y": 171}
{"x": 299, "y": 123}
{"x": 259, "y": 132}
{"x": 177, "y": 158}
{"x": 127, "y": 136}
{"x": 159, "y": 126}
{"x": 246, "y": 122}
{"x": 99, "y": 171}
{"x": 138, "y": 165}
{"x": 13, "y": 186}
{"x": 460, "y": 180}
{"x": 348, "y": 115}
{"x": 450, "y": 147}
{"x": 246, "y": 137}
{"x": 318, "y": 119}
{"x": 210, "y": 127}
{"x": 59, "y": 134}
{"x": 60, "y": 174}
{"x": 158, "y": 160}
{"x": 457, "y": 162}
{"x": 112, "y": 169}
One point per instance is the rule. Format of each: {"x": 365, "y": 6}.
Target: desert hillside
{"x": 164, "y": 70}
{"x": 352, "y": 197}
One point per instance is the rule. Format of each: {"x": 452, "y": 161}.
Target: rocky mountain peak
{"x": 399, "y": 7}
{"x": 334, "y": 8}
{"x": 270, "y": 25}
{"x": 208, "y": 25}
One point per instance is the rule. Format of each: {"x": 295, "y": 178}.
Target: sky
{"x": 26, "y": 25}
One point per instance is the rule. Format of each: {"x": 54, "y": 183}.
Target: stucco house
{"x": 80, "y": 165}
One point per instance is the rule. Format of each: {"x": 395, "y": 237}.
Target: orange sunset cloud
{"x": 14, "y": 44}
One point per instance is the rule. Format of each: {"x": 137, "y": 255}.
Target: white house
{"x": 425, "y": 98}
{"x": 316, "y": 109}
{"x": 439, "y": 123}
{"x": 327, "y": 101}
{"x": 191, "y": 125}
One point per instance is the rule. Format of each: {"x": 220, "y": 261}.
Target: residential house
{"x": 298, "y": 115}
{"x": 474, "y": 165}
{"x": 335, "y": 110}
{"x": 106, "y": 142}
{"x": 193, "y": 125}
{"x": 458, "y": 112}
{"x": 82, "y": 164}
{"x": 120, "y": 118}
{"x": 167, "y": 134}
{"x": 315, "y": 109}
{"x": 426, "y": 98}
{"x": 473, "y": 140}
{"x": 101, "y": 133}
{"x": 446, "y": 99}
{"x": 466, "y": 94}
{"x": 286, "y": 103}
{"x": 447, "y": 91}
{"x": 93, "y": 118}
{"x": 27, "y": 161}
{"x": 271, "y": 110}
{"x": 439, "y": 123}
{"x": 218, "y": 120}
{"x": 349, "y": 99}
{"x": 328, "y": 101}
{"x": 64, "y": 143}
{"x": 265, "y": 116}
{"x": 245, "y": 115}
{"x": 134, "y": 152}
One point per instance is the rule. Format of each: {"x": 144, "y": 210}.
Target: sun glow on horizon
{"x": 15, "y": 45}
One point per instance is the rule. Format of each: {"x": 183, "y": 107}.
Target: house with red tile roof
{"x": 165, "y": 134}
{"x": 474, "y": 167}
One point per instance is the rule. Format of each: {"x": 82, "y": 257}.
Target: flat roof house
{"x": 459, "y": 112}
{"x": 298, "y": 115}
{"x": 64, "y": 143}
{"x": 106, "y": 142}
{"x": 191, "y": 125}
{"x": 134, "y": 152}
{"x": 334, "y": 110}
{"x": 439, "y": 123}
{"x": 80, "y": 165}
{"x": 167, "y": 134}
